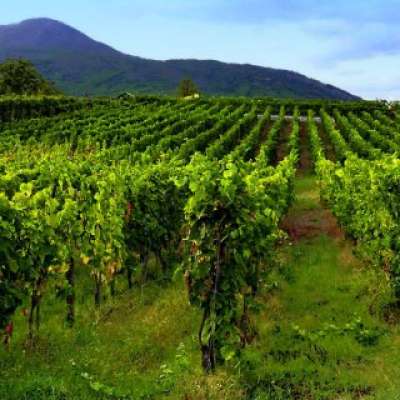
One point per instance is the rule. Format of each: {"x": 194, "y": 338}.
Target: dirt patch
{"x": 328, "y": 147}
{"x": 347, "y": 256}
{"x": 391, "y": 313}
{"x": 311, "y": 223}
{"x": 263, "y": 137}
{"x": 305, "y": 161}
{"x": 282, "y": 147}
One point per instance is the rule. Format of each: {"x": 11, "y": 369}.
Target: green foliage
{"x": 232, "y": 217}
{"x": 247, "y": 148}
{"x": 20, "y": 77}
{"x": 342, "y": 149}
{"x": 10, "y": 290}
{"x": 152, "y": 224}
{"x": 358, "y": 144}
{"x": 294, "y": 137}
{"x": 316, "y": 146}
{"x": 380, "y": 141}
{"x": 361, "y": 333}
{"x": 268, "y": 148}
{"x": 364, "y": 198}
{"x": 229, "y": 139}
{"x": 23, "y": 107}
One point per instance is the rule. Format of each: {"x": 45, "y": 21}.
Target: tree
{"x": 21, "y": 77}
{"x": 187, "y": 88}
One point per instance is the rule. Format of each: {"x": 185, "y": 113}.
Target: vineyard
{"x": 151, "y": 248}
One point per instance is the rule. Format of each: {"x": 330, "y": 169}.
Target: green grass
{"x": 317, "y": 336}
{"x": 141, "y": 345}
{"x": 321, "y": 334}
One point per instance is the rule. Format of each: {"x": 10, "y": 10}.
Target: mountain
{"x": 80, "y": 65}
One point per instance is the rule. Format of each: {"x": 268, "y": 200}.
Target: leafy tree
{"x": 187, "y": 88}
{"x": 21, "y": 77}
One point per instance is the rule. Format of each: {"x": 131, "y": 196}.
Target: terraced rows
{"x": 106, "y": 187}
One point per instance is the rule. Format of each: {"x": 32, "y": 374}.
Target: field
{"x": 155, "y": 248}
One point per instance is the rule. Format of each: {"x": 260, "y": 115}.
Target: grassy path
{"x": 321, "y": 334}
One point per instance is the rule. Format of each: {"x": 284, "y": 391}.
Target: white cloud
{"x": 371, "y": 77}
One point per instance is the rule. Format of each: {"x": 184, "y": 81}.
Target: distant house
{"x": 126, "y": 96}
{"x": 192, "y": 97}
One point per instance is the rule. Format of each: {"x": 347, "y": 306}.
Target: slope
{"x": 80, "y": 65}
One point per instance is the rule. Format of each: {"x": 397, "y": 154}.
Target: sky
{"x": 352, "y": 44}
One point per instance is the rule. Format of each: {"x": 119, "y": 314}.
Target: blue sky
{"x": 354, "y": 44}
